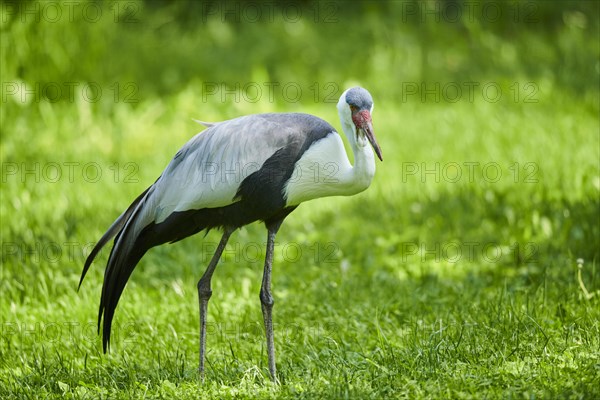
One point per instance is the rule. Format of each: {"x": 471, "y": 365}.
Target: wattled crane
{"x": 253, "y": 168}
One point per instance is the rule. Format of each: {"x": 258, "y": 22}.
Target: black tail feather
{"x": 124, "y": 256}
{"x": 115, "y": 228}
{"x": 114, "y": 284}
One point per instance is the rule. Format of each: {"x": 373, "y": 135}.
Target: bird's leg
{"x": 204, "y": 293}
{"x": 267, "y": 301}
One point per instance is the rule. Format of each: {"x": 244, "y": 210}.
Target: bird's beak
{"x": 363, "y": 122}
{"x": 368, "y": 129}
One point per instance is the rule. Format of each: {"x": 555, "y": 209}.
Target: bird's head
{"x": 355, "y": 108}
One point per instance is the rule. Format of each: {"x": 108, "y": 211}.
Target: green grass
{"x": 427, "y": 285}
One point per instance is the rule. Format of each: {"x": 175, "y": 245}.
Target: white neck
{"x": 358, "y": 177}
{"x": 324, "y": 169}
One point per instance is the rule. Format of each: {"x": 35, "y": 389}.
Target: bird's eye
{"x": 353, "y": 108}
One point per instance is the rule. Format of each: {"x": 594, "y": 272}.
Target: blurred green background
{"x": 487, "y": 113}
